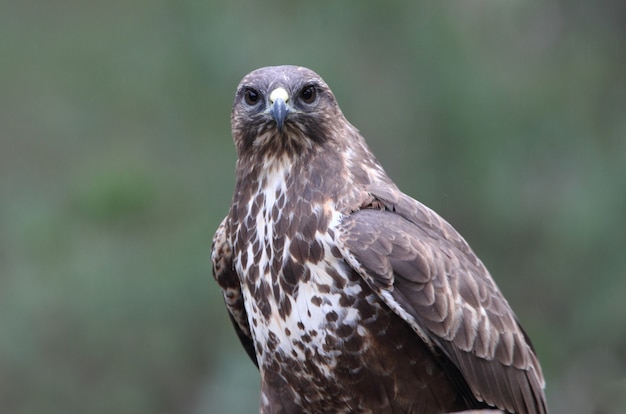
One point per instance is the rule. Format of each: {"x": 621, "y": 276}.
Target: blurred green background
{"x": 116, "y": 166}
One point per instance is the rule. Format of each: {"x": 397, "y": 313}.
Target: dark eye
{"x": 308, "y": 94}
{"x": 251, "y": 96}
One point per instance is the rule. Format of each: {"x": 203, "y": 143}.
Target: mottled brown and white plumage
{"x": 349, "y": 295}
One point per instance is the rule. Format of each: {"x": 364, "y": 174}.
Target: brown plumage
{"x": 350, "y": 296}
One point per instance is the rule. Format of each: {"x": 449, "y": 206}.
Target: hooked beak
{"x": 279, "y": 109}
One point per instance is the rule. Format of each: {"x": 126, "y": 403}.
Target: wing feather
{"x": 226, "y": 276}
{"x": 428, "y": 275}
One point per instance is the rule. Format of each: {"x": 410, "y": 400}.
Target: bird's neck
{"x": 297, "y": 179}
{"x": 339, "y": 174}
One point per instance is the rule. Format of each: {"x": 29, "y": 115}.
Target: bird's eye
{"x": 251, "y": 96}
{"x": 308, "y": 94}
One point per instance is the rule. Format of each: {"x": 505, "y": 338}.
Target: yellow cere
{"x": 279, "y": 93}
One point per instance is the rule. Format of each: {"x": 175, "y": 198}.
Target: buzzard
{"x": 349, "y": 295}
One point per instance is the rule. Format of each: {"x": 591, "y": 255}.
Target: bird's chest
{"x": 299, "y": 293}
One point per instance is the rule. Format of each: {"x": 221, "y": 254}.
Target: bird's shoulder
{"x": 222, "y": 255}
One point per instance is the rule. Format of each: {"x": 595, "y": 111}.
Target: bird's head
{"x": 283, "y": 110}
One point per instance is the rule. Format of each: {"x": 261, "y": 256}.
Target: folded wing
{"x": 428, "y": 275}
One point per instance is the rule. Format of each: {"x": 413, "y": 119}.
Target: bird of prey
{"x": 349, "y": 295}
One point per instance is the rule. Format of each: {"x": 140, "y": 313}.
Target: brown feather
{"x": 436, "y": 279}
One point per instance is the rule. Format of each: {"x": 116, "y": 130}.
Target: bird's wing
{"x": 428, "y": 275}
{"x": 226, "y": 276}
